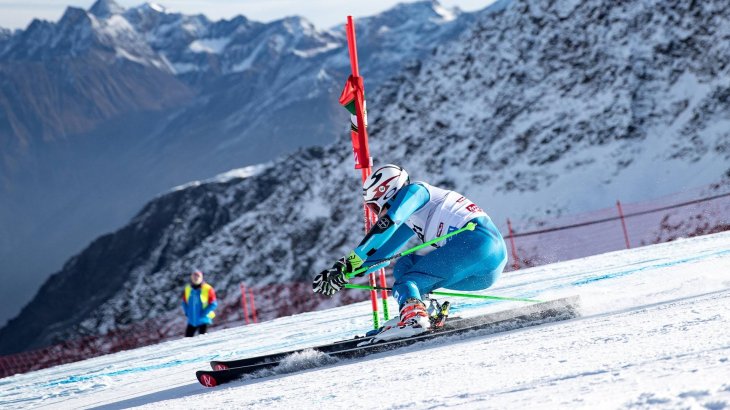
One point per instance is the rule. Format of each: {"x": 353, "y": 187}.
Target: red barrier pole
{"x": 623, "y": 224}
{"x": 515, "y": 259}
{"x": 253, "y": 306}
{"x": 243, "y": 303}
{"x": 363, "y": 161}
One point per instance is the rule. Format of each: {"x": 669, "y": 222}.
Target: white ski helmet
{"x": 382, "y": 185}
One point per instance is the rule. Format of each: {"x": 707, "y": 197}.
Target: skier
{"x": 472, "y": 260}
{"x": 199, "y": 302}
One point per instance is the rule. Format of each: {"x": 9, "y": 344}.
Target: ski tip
{"x": 218, "y": 366}
{"x": 206, "y": 379}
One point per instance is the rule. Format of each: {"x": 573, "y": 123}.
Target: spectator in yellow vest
{"x": 199, "y": 303}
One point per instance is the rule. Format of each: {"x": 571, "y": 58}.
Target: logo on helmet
{"x": 383, "y": 188}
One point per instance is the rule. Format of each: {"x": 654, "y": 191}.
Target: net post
{"x": 515, "y": 259}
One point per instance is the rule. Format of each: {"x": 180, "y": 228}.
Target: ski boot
{"x": 437, "y": 313}
{"x": 414, "y": 320}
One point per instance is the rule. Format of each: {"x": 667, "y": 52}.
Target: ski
{"x": 438, "y": 321}
{"x": 524, "y": 316}
{"x": 276, "y": 357}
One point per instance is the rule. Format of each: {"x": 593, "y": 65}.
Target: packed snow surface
{"x": 653, "y": 334}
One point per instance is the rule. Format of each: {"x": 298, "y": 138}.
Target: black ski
{"x": 530, "y": 315}
{"x": 437, "y": 320}
{"x": 276, "y": 357}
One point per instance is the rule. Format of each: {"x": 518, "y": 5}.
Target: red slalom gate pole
{"x": 623, "y": 224}
{"x": 243, "y": 303}
{"x": 363, "y": 161}
{"x": 515, "y": 264}
{"x": 253, "y": 306}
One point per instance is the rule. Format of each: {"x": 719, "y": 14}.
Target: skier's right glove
{"x": 329, "y": 281}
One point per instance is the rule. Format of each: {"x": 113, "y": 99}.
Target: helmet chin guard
{"x": 382, "y": 185}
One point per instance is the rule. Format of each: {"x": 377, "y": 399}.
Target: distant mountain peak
{"x": 106, "y": 8}
{"x": 447, "y": 14}
{"x": 153, "y": 8}
{"x": 72, "y": 17}
{"x": 407, "y": 15}
{"x": 296, "y": 24}
{"x": 431, "y": 7}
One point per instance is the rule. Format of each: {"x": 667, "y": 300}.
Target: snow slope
{"x": 653, "y": 335}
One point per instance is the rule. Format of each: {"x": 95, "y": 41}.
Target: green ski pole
{"x": 455, "y": 294}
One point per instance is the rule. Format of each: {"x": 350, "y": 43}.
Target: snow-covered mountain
{"x": 80, "y": 33}
{"x": 108, "y": 107}
{"x": 537, "y": 108}
{"x": 270, "y": 66}
{"x": 570, "y": 105}
{"x": 66, "y": 78}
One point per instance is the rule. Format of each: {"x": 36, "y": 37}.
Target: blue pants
{"x": 471, "y": 260}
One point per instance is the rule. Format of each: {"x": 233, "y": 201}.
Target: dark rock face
{"x": 76, "y": 96}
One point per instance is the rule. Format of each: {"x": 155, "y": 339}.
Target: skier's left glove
{"x": 329, "y": 281}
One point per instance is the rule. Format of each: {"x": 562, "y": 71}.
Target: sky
{"x": 323, "y": 13}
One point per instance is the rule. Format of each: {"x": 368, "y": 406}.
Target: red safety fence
{"x": 271, "y": 301}
{"x": 687, "y": 214}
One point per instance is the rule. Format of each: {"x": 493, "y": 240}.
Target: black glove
{"x": 329, "y": 281}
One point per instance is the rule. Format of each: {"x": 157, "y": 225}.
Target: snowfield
{"x": 654, "y": 333}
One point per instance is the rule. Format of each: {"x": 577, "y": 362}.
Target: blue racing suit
{"x": 471, "y": 260}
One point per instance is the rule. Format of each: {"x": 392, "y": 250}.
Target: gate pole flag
{"x": 353, "y": 98}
